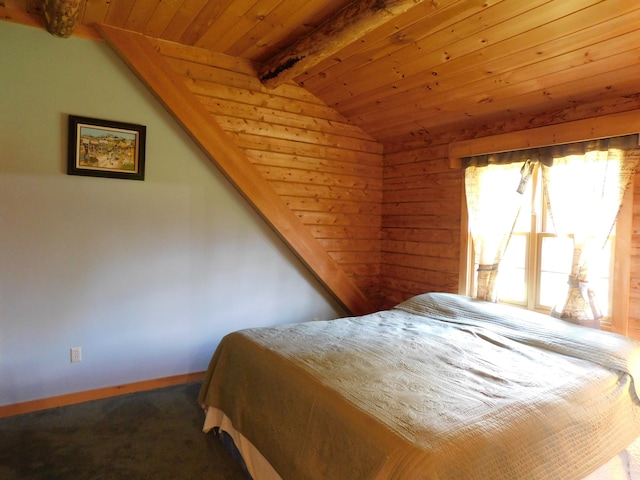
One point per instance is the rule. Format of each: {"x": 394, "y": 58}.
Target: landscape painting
{"x": 103, "y": 148}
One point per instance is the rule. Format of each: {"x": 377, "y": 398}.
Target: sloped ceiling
{"x": 404, "y": 69}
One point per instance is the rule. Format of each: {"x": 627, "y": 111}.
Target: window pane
{"x": 523, "y": 223}
{"x": 516, "y": 254}
{"x": 512, "y": 283}
{"x": 547, "y": 221}
{"x": 555, "y": 261}
{"x": 556, "y": 255}
{"x": 601, "y": 265}
{"x": 552, "y": 288}
{"x": 600, "y": 285}
{"x": 555, "y": 265}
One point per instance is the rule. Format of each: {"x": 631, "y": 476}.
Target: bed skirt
{"x": 257, "y": 466}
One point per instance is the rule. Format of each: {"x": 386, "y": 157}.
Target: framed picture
{"x": 102, "y": 148}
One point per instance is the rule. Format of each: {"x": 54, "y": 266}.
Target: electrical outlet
{"x": 76, "y": 354}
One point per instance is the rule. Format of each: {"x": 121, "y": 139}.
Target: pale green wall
{"x": 145, "y": 276}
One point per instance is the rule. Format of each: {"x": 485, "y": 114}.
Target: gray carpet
{"x": 148, "y": 435}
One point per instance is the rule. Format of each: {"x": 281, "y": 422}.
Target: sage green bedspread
{"x": 439, "y": 387}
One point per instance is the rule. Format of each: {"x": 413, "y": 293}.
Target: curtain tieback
{"x": 588, "y": 295}
{"x": 574, "y": 282}
{"x": 486, "y": 268}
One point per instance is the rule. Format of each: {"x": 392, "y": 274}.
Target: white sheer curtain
{"x": 584, "y": 185}
{"x": 493, "y": 203}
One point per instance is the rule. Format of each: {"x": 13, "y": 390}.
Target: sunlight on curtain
{"x": 493, "y": 203}
{"x": 584, "y": 191}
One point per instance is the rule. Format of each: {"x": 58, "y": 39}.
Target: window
{"x": 623, "y": 123}
{"x": 537, "y": 261}
{"x": 536, "y": 264}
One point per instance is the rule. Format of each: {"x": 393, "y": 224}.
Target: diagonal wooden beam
{"x": 170, "y": 89}
{"x": 352, "y": 22}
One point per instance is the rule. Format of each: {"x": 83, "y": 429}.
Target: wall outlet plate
{"x": 76, "y": 354}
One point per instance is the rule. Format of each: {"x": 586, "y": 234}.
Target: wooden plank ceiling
{"x": 342, "y": 111}
{"x": 411, "y": 68}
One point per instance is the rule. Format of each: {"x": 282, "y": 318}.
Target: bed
{"x": 441, "y": 386}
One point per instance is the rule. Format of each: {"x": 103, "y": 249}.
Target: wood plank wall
{"x": 327, "y": 170}
{"x": 421, "y": 223}
{"x": 634, "y": 294}
{"x": 394, "y": 226}
{"x": 422, "y": 206}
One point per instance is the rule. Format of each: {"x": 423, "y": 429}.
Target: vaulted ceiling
{"x": 410, "y": 73}
{"x": 403, "y": 69}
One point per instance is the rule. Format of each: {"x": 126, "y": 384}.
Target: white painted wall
{"x": 145, "y": 276}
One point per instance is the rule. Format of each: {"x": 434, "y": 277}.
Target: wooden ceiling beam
{"x": 351, "y": 23}
{"x": 60, "y": 16}
{"x": 21, "y": 17}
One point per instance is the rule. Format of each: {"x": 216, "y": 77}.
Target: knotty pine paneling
{"x": 328, "y": 171}
{"x": 442, "y": 62}
{"x": 634, "y": 294}
{"x": 423, "y": 197}
{"x": 421, "y": 224}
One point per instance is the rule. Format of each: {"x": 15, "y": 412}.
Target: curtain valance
{"x": 545, "y": 155}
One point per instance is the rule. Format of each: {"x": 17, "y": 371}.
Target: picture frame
{"x": 105, "y": 148}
